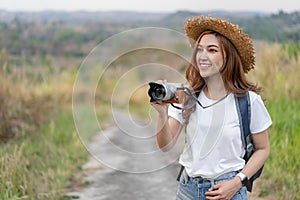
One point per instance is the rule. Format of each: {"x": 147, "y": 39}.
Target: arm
{"x": 227, "y": 189}
{"x": 259, "y": 157}
{"x": 168, "y": 128}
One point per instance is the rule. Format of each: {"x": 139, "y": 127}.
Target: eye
{"x": 199, "y": 49}
{"x": 213, "y": 50}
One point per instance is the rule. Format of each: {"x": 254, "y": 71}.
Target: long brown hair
{"x": 231, "y": 72}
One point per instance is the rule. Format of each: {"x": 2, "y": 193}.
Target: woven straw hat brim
{"x": 242, "y": 42}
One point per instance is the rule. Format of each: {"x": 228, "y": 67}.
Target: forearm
{"x": 259, "y": 157}
{"x": 168, "y": 130}
{"x": 164, "y": 136}
{"x": 256, "y": 161}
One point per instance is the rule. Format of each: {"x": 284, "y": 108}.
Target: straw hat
{"x": 243, "y": 43}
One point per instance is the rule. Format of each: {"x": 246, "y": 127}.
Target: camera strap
{"x": 188, "y": 92}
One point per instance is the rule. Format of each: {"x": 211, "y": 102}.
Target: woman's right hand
{"x": 161, "y": 107}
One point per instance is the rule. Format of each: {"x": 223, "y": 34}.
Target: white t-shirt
{"x": 213, "y": 139}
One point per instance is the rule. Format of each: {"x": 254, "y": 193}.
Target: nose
{"x": 202, "y": 55}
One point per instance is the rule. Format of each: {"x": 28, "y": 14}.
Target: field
{"x": 41, "y": 153}
{"x": 277, "y": 71}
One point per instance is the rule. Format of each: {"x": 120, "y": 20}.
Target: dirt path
{"x": 108, "y": 183}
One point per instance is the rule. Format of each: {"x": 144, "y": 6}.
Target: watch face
{"x": 245, "y": 181}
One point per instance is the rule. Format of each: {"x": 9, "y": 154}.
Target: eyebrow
{"x": 211, "y": 45}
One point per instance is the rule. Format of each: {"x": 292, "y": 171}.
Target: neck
{"x": 215, "y": 88}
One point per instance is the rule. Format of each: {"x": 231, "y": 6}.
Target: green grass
{"x": 282, "y": 168}
{"x": 42, "y": 165}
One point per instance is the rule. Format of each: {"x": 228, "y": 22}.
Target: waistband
{"x": 226, "y": 176}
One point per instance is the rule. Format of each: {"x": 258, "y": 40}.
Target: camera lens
{"x": 159, "y": 92}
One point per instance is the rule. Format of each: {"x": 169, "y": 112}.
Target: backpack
{"x": 244, "y": 114}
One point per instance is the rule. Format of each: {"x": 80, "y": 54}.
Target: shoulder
{"x": 257, "y": 104}
{"x": 254, "y": 97}
{"x": 260, "y": 118}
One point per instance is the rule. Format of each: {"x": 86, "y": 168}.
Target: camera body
{"x": 166, "y": 92}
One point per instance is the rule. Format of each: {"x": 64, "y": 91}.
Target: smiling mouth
{"x": 205, "y": 65}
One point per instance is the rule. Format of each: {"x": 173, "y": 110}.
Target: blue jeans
{"x": 193, "y": 188}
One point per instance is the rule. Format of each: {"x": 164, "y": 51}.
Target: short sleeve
{"x": 175, "y": 113}
{"x": 260, "y": 118}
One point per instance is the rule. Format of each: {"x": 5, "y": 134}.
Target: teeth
{"x": 205, "y": 65}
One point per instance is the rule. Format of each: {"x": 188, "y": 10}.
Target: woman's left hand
{"x": 225, "y": 190}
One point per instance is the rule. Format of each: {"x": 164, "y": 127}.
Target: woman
{"x": 213, "y": 162}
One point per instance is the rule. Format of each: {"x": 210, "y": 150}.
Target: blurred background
{"x": 43, "y": 45}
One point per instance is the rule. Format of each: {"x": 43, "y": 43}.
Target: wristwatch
{"x": 244, "y": 178}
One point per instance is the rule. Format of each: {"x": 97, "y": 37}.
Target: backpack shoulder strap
{"x": 244, "y": 114}
{"x": 243, "y": 107}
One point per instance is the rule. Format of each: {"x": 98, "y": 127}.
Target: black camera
{"x": 166, "y": 92}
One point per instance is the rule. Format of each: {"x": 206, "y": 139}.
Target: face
{"x": 209, "y": 57}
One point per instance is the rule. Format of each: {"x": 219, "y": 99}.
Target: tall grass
{"x": 277, "y": 71}
{"x": 22, "y": 110}
{"x": 40, "y": 149}
{"x": 27, "y": 98}
{"x": 43, "y": 165}
{"x": 282, "y": 168}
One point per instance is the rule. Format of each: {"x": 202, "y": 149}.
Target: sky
{"x": 271, "y": 6}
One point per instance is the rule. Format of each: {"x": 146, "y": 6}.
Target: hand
{"x": 225, "y": 190}
{"x": 160, "y": 107}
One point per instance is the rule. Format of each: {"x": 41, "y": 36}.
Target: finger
{"x": 212, "y": 192}
{"x": 156, "y": 102}
{"x": 217, "y": 196}
{"x": 213, "y": 197}
{"x": 211, "y": 189}
{"x": 218, "y": 185}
